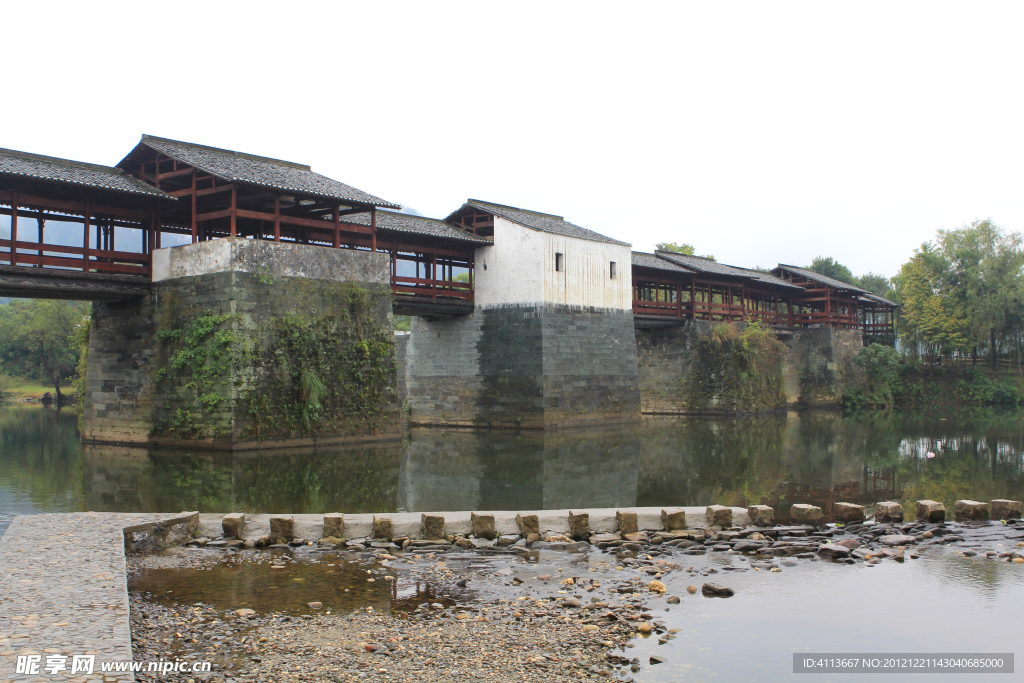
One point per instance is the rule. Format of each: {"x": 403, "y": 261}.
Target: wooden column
{"x": 157, "y": 221}
{"x": 156, "y": 171}
{"x": 195, "y": 224}
{"x": 152, "y": 230}
{"x": 41, "y": 222}
{"x": 693, "y": 297}
{"x": 337, "y": 225}
{"x": 433, "y": 266}
{"x": 112, "y": 234}
{"x": 86, "y": 228}
{"x": 234, "y": 206}
{"x": 14, "y": 229}
{"x": 277, "y": 217}
{"x": 373, "y": 234}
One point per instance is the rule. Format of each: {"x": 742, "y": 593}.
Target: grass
{"x": 20, "y": 388}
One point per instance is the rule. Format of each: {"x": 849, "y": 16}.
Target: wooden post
{"x": 277, "y": 217}
{"x": 158, "y": 231}
{"x": 156, "y": 171}
{"x": 234, "y": 206}
{"x": 41, "y": 222}
{"x": 373, "y": 228}
{"x": 86, "y": 228}
{"x": 337, "y": 225}
{"x": 195, "y": 225}
{"x": 152, "y": 230}
{"x": 14, "y": 229}
{"x": 433, "y": 271}
{"x": 113, "y": 231}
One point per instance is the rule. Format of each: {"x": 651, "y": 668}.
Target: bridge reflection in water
{"x": 821, "y": 458}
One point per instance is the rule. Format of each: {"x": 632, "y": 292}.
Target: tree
{"x": 36, "y": 338}
{"x": 686, "y": 249}
{"x": 877, "y": 284}
{"x": 829, "y": 267}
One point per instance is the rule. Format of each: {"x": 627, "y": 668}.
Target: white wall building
{"x": 539, "y": 258}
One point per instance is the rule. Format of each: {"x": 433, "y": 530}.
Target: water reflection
{"x": 816, "y": 457}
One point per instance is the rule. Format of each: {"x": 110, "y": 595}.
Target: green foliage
{"x": 323, "y": 374}
{"x": 963, "y": 294}
{"x": 881, "y": 365}
{"x": 36, "y": 339}
{"x": 877, "y": 284}
{"x": 680, "y": 248}
{"x": 201, "y": 356}
{"x": 738, "y": 371}
{"x": 829, "y": 267}
{"x": 403, "y": 323}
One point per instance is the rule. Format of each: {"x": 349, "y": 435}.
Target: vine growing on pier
{"x": 201, "y": 354}
{"x": 325, "y": 374}
{"x": 738, "y": 370}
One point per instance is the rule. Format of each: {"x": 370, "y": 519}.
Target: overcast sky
{"x": 759, "y": 132}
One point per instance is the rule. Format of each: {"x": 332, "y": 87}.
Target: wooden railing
{"x": 417, "y": 286}
{"x": 97, "y": 260}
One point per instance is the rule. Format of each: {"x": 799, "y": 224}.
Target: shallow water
{"x": 815, "y": 457}
{"x": 942, "y": 603}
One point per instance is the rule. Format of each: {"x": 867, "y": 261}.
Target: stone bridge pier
{"x": 243, "y": 343}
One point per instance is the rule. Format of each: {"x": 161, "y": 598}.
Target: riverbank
{"x": 308, "y": 613}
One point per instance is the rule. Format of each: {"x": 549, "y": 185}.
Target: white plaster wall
{"x": 521, "y": 269}
{"x": 515, "y": 266}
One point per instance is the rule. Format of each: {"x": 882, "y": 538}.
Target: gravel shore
{"x": 310, "y": 613}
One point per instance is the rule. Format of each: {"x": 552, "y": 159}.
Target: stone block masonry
{"x": 819, "y": 367}
{"x": 243, "y": 344}
{"x": 523, "y": 366}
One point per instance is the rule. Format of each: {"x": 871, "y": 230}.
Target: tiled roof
{"x": 545, "y": 222}
{"x": 56, "y": 170}
{"x": 877, "y": 299}
{"x": 262, "y": 171}
{"x": 706, "y": 265}
{"x": 420, "y": 225}
{"x": 644, "y": 260}
{"x": 823, "y": 279}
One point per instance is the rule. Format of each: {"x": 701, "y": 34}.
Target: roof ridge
{"x": 62, "y": 161}
{"x": 243, "y": 155}
{"x": 676, "y": 253}
{"x": 516, "y": 208}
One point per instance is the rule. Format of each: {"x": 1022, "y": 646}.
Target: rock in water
{"x": 626, "y": 522}
{"x": 673, "y": 600}
{"x": 896, "y": 539}
{"x": 382, "y": 528}
{"x": 761, "y": 515}
{"x": 848, "y": 513}
{"x": 889, "y": 511}
{"x": 1006, "y": 509}
{"x": 233, "y": 525}
{"x": 718, "y": 590}
{"x": 483, "y": 526}
{"x": 802, "y": 513}
{"x": 656, "y": 587}
{"x": 718, "y": 515}
{"x": 579, "y": 525}
{"x": 528, "y": 524}
{"x": 282, "y": 530}
{"x": 433, "y": 526}
{"x": 930, "y": 511}
{"x": 833, "y": 551}
{"x": 334, "y": 525}
{"x": 970, "y": 510}
{"x": 691, "y": 588}
{"x": 673, "y": 519}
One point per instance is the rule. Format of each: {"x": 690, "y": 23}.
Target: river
{"x": 813, "y": 457}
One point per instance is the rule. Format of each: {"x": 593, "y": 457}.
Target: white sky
{"x": 759, "y": 132}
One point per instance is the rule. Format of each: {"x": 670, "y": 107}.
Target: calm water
{"x": 814, "y": 457}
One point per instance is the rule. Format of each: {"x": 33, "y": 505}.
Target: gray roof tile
{"x": 545, "y": 222}
{"x": 52, "y": 169}
{"x": 420, "y": 225}
{"x": 705, "y": 265}
{"x": 823, "y": 279}
{"x": 262, "y": 171}
{"x": 643, "y": 260}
